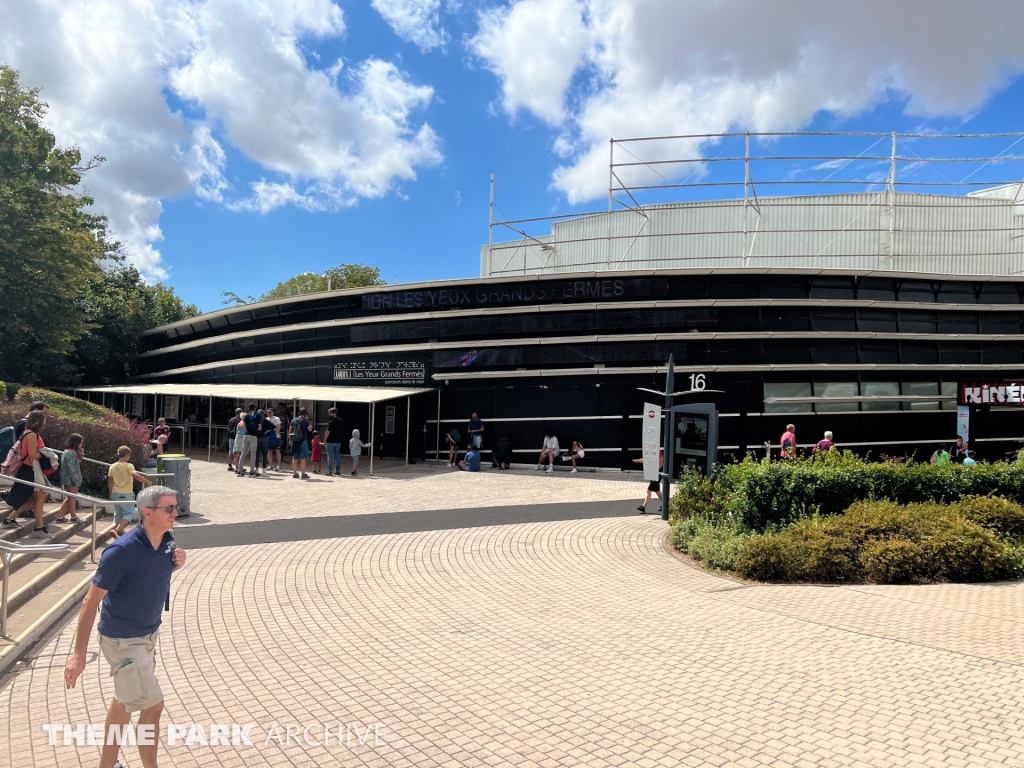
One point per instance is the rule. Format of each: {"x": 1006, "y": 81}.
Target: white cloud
{"x": 415, "y": 21}
{"x": 623, "y": 68}
{"x": 106, "y": 68}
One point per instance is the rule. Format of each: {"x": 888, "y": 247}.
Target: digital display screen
{"x": 690, "y": 434}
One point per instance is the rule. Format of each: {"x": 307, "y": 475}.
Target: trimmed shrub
{"x": 892, "y": 561}
{"x": 765, "y": 558}
{"x": 884, "y": 543}
{"x": 102, "y": 439}
{"x": 695, "y": 497}
{"x": 959, "y": 550}
{"x": 994, "y": 513}
{"x": 65, "y": 405}
{"x": 3, "y": 392}
{"x": 715, "y": 543}
{"x": 766, "y": 495}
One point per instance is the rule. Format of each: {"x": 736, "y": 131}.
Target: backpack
{"x": 252, "y": 423}
{"x": 232, "y": 427}
{"x": 297, "y": 435}
{"x": 13, "y": 461}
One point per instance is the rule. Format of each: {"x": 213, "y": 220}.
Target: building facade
{"x": 877, "y": 357}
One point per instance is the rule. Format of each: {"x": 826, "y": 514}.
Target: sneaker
{"x": 255, "y": 474}
{"x": 230, "y": 468}
{"x": 295, "y": 474}
{"x": 550, "y": 468}
{"x": 41, "y": 533}
{"x": 537, "y": 467}
{"x": 10, "y": 523}
{"x": 573, "y": 471}
{"x": 305, "y": 476}
{"x": 643, "y": 509}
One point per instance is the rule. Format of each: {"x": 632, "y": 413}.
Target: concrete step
{"x": 48, "y": 609}
{"x": 37, "y": 573}
{"x": 42, "y": 590}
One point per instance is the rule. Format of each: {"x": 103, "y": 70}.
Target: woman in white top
{"x": 577, "y": 453}
{"x": 549, "y": 451}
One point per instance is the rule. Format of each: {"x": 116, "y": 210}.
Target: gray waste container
{"x": 180, "y": 467}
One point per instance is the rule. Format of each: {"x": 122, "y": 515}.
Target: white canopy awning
{"x": 280, "y": 392}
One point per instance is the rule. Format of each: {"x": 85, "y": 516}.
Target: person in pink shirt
{"x": 787, "y": 443}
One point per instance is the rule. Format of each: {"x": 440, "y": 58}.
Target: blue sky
{"x": 250, "y": 141}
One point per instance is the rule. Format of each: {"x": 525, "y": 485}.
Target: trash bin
{"x": 178, "y": 465}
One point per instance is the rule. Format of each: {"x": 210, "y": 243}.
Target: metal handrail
{"x": 144, "y": 474}
{"x": 90, "y": 499}
{"x": 9, "y": 550}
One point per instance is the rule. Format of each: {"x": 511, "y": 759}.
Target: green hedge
{"x": 68, "y": 406}
{"x": 766, "y": 494}
{"x": 886, "y": 543}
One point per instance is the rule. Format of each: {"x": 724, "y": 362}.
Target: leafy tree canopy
{"x": 120, "y": 307}
{"x": 334, "y": 279}
{"x": 70, "y": 310}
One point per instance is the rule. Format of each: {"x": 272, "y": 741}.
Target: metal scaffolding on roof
{"x": 879, "y": 201}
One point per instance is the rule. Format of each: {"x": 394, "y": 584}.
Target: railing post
{"x": 8, "y": 556}
{"x": 92, "y": 543}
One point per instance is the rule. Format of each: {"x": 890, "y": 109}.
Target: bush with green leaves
{"x": 67, "y": 406}
{"x": 884, "y": 542}
{"x": 104, "y": 431}
{"x": 715, "y": 542}
{"x": 764, "y": 495}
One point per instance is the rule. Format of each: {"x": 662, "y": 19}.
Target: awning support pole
{"x": 408, "y": 407}
{"x": 437, "y": 445}
{"x": 373, "y": 416}
{"x": 209, "y": 431}
{"x": 154, "y": 411}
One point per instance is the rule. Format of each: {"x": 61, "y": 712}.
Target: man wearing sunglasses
{"x": 132, "y": 582}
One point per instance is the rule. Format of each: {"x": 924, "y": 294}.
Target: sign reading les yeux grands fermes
{"x": 540, "y": 292}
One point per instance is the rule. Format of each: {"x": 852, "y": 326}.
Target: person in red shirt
{"x": 787, "y": 443}
{"x": 824, "y": 445}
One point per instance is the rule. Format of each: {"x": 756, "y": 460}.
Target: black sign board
{"x": 694, "y": 442}
{"x": 538, "y": 292}
{"x": 400, "y": 373}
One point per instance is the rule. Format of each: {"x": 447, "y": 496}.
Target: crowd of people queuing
{"x": 260, "y": 435}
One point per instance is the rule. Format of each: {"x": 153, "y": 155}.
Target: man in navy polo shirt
{"x": 132, "y": 582}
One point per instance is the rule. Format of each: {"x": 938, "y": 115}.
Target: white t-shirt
{"x": 277, "y": 425}
{"x": 551, "y": 444}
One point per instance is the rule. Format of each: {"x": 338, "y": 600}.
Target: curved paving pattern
{"x": 557, "y": 644}
{"x": 220, "y": 497}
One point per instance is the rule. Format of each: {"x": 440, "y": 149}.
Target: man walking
{"x": 787, "y": 443}
{"x": 333, "y": 438}
{"x": 132, "y": 582}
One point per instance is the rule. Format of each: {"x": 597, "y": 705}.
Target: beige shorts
{"x": 132, "y": 663}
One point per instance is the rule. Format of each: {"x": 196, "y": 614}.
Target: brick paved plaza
{"x": 567, "y": 642}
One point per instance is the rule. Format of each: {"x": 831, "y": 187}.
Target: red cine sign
{"x": 998, "y": 393}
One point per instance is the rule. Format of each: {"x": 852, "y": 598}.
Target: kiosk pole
{"x": 666, "y": 475}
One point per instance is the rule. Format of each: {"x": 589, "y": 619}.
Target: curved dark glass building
{"x": 875, "y": 357}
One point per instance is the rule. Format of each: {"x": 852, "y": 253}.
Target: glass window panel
{"x": 801, "y": 389}
{"x": 833, "y": 320}
{"x": 999, "y": 293}
{"x": 1000, "y": 322}
{"x": 917, "y": 322}
{"x": 876, "y": 289}
{"x": 948, "y": 390}
{"x": 832, "y": 288}
{"x": 835, "y": 389}
{"x": 958, "y": 322}
{"x": 881, "y": 389}
{"x": 921, "y": 388}
{"x": 877, "y": 320}
{"x": 957, "y": 293}
{"x": 915, "y": 291}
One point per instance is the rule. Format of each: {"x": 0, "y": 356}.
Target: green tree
{"x": 120, "y": 307}
{"x": 50, "y": 247}
{"x": 334, "y": 279}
